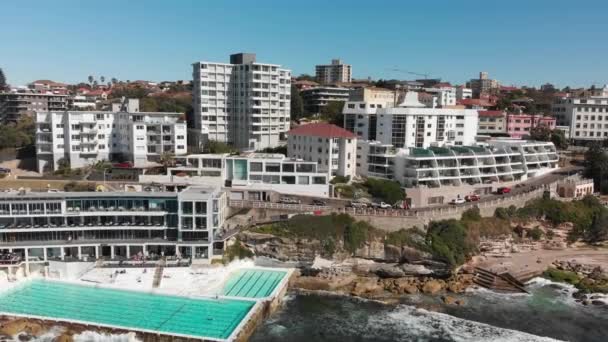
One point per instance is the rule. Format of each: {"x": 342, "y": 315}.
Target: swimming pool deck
{"x": 208, "y": 318}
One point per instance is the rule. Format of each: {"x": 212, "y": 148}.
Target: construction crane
{"x": 426, "y": 76}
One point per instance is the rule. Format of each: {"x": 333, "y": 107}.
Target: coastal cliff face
{"x": 304, "y": 251}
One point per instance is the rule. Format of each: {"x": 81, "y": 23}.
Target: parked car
{"x": 503, "y": 190}
{"x": 458, "y": 200}
{"x": 5, "y": 170}
{"x": 125, "y": 165}
{"x": 382, "y": 205}
{"x": 319, "y": 202}
{"x": 289, "y": 200}
{"x": 472, "y": 198}
{"x": 358, "y": 205}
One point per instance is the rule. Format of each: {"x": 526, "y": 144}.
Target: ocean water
{"x": 548, "y": 314}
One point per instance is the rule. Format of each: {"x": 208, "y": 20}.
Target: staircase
{"x": 503, "y": 282}
{"x": 158, "y": 273}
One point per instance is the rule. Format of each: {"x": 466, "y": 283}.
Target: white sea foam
{"x": 407, "y": 322}
{"x": 90, "y": 336}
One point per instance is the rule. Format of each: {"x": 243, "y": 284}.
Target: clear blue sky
{"x": 517, "y": 41}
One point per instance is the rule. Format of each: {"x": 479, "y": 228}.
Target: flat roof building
{"x": 113, "y": 225}
{"x": 14, "y": 105}
{"x": 243, "y": 103}
{"x": 332, "y": 147}
{"x": 333, "y": 73}
{"x": 410, "y": 124}
{"x": 85, "y": 137}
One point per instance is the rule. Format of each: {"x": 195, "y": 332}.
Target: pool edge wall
{"x": 264, "y": 309}
{"x": 78, "y": 327}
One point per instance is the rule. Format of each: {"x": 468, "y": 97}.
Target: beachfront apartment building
{"x": 587, "y": 118}
{"x": 436, "y": 175}
{"x": 336, "y": 72}
{"x": 88, "y": 226}
{"x": 332, "y": 147}
{"x": 15, "y": 104}
{"x": 317, "y": 98}
{"x": 410, "y": 124}
{"x": 243, "y": 103}
{"x": 85, "y": 137}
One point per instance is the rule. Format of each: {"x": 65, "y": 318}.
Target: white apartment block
{"x": 586, "y": 118}
{"x": 85, "y": 137}
{"x": 332, "y": 147}
{"x": 436, "y": 175}
{"x": 243, "y": 103}
{"x": 333, "y": 73}
{"x": 410, "y": 124}
{"x": 463, "y": 93}
{"x": 255, "y": 176}
{"x": 440, "y": 97}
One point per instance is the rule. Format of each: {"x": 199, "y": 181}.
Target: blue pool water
{"x": 253, "y": 283}
{"x": 213, "y": 318}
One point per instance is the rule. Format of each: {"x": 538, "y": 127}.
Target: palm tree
{"x": 166, "y": 159}
{"x": 91, "y": 78}
{"x": 114, "y": 81}
{"x": 102, "y": 79}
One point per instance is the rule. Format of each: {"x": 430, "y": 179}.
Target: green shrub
{"x": 386, "y": 190}
{"x": 448, "y": 241}
{"x": 237, "y": 251}
{"x": 472, "y": 214}
{"x": 339, "y": 180}
{"x": 561, "y": 276}
{"x": 535, "y": 233}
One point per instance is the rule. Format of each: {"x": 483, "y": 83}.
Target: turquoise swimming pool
{"x": 211, "y": 318}
{"x": 253, "y": 283}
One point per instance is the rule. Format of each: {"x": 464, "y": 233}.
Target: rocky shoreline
{"x": 369, "y": 283}
{"x": 591, "y": 281}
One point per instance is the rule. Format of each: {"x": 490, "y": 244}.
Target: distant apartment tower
{"x": 14, "y": 105}
{"x": 315, "y": 99}
{"x": 483, "y": 85}
{"x": 243, "y": 103}
{"x": 85, "y": 137}
{"x": 334, "y": 72}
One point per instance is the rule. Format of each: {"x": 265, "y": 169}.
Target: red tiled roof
{"x": 491, "y": 113}
{"x": 324, "y": 130}
{"x": 508, "y": 88}
{"x": 475, "y": 102}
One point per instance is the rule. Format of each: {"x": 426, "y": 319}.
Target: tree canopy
{"x": 596, "y": 166}
{"x": 332, "y": 112}
{"x": 18, "y": 134}
{"x": 297, "y": 104}
{"x": 386, "y": 190}
{"x": 2, "y": 80}
{"x": 213, "y": 146}
{"x": 556, "y": 136}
